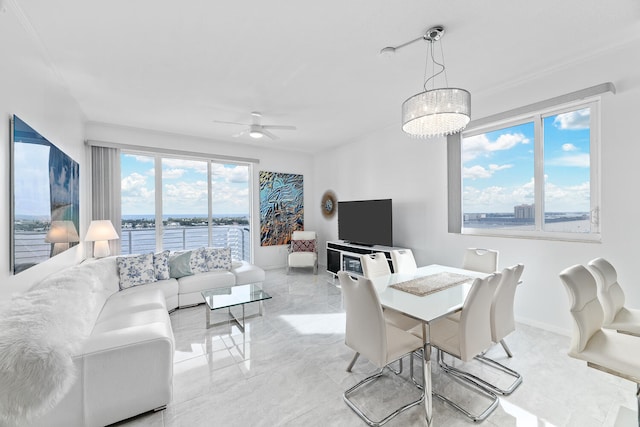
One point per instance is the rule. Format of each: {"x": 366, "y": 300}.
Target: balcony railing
{"x": 30, "y": 247}
{"x": 143, "y": 240}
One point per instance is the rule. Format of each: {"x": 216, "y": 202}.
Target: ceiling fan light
{"x": 255, "y": 130}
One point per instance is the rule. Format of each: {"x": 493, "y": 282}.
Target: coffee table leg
{"x": 208, "y": 311}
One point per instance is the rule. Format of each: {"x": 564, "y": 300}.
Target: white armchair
{"x": 303, "y": 251}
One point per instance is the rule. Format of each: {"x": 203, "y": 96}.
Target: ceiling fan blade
{"x": 269, "y": 134}
{"x": 229, "y": 123}
{"x": 244, "y": 132}
{"x": 279, "y": 127}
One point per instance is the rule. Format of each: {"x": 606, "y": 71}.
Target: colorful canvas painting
{"x": 281, "y": 207}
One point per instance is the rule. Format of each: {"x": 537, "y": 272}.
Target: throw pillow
{"x": 303, "y": 246}
{"x": 199, "y": 261}
{"x": 219, "y": 258}
{"x": 136, "y": 270}
{"x": 161, "y": 265}
{"x": 180, "y": 264}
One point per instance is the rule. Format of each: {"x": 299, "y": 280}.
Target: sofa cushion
{"x": 247, "y": 273}
{"x": 140, "y": 298}
{"x": 136, "y": 270}
{"x": 161, "y": 265}
{"x": 218, "y": 258}
{"x": 125, "y": 320}
{"x": 199, "y": 261}
{"x": 180, "y": 264}
{"x": 209, "y": 280}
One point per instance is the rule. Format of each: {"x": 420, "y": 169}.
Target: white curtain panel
{"x": 105, "y": 188}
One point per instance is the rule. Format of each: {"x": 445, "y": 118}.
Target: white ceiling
{"x": 177, "y": 66}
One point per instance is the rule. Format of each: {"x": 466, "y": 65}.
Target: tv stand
{"x": 345, "y": 256}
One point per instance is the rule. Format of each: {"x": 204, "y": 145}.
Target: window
{"x": 184, "y": 203}
{"x": 535, "y": 175}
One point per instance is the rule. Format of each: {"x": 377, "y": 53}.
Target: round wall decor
{"x": 329, "y": 204}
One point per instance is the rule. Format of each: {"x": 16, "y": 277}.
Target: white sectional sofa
{"x": 95, "y": 354}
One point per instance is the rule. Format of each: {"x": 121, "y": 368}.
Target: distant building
{"x": 524, "y": 211}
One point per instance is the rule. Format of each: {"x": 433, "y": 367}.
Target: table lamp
{"x": 100, "y": 232}
{"x": 61, "y": 234}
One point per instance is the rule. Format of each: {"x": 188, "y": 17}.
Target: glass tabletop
{"x": 234, "y": 295}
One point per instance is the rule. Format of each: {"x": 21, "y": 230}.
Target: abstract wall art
{"x": 281, "y": 207}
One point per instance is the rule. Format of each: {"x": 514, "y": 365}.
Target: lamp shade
{"x": 101, "y": 230}
{"x": 436, "y": 112}
{"x": 62, "y": 232}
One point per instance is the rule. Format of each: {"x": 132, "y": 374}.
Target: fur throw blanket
{"x": 41, "y": 331}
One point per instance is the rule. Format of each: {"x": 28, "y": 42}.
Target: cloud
{"x": 572, "y": 198}
{"x": 477, "y": 171}
{"x": 575, "y": 161}
{"x": 574, "y": 120}
{"x": 236, "y": 174}
{"x": 137, "y": 197}
{"x": 197, "y": 166}
{"x": 569, "y": 147}
{"x": 173, "y": 173}
{"x": 480, "y": 145}
{"x": 141, "y": 159}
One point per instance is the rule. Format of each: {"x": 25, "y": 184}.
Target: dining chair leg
{"x": 353, "y": 361}
{"x": 506, "y": 349}
{"x": 457, "y": 374}
{"x": 479, "y": 381}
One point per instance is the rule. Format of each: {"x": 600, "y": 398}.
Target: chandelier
{"x": 435, "y": 111}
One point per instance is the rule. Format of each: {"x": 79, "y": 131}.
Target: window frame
{"x": 158, "y": 157}
{"x": 536, "y": 116}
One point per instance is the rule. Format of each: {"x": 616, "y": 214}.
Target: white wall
{"x": 413, "y": 173}
{"x": 271, "y": 159}
{"x": 30, "y": 89}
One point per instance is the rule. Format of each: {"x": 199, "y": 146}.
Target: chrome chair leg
{"x": 353, "y": 361}
{"x": 459, "y": 375}
{"x": 503, "y": 391}
{"x": 366, "y": 419}
{"x": 506, "y": 349}
{"x": 479, "y": 381}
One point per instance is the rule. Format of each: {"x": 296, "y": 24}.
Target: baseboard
{"x": 542, "y": 325}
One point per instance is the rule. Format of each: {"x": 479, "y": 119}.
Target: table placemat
{"x": 428, "y": 284}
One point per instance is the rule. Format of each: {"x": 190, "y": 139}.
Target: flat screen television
{"x": 366, "y": 222}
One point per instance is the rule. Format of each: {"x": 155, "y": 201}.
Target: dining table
{"x": 427, "y": 308}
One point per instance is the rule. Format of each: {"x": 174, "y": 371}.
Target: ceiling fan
{"x": 256, "y": 129}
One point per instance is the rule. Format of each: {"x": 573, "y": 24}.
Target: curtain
{"x": 105, "y": 189}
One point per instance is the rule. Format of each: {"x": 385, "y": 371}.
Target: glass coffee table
{"x": 232, "y": 296}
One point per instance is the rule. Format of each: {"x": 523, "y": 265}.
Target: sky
{"x": 498, "y": 166}
{"x": 184, "y": 187}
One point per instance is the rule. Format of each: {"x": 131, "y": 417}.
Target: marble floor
{"x": 288, "y": 369}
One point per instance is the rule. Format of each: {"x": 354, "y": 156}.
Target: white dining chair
{"x": 503, "y": 323}
{"x": 602, "y": 349}
{"x": 616, "y": 315}
{"x": 375, "y": 265}
{"x": 403, "y": 261}
{"x": 466, "y": 338}
{"x": 368, "y": 333}
{"x": 483, "y": 260}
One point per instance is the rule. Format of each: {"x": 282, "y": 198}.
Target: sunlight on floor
{"x": 522, "y": 417}
{"x": 320, "y": 324}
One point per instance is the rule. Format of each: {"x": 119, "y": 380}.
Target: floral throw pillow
{"x": 161, "y": 265}
{"x": 303, "y": 246}
{"x": 199, "y": 261}
{"x": 219, "y": 258}
{"x": 136, "y": 270}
